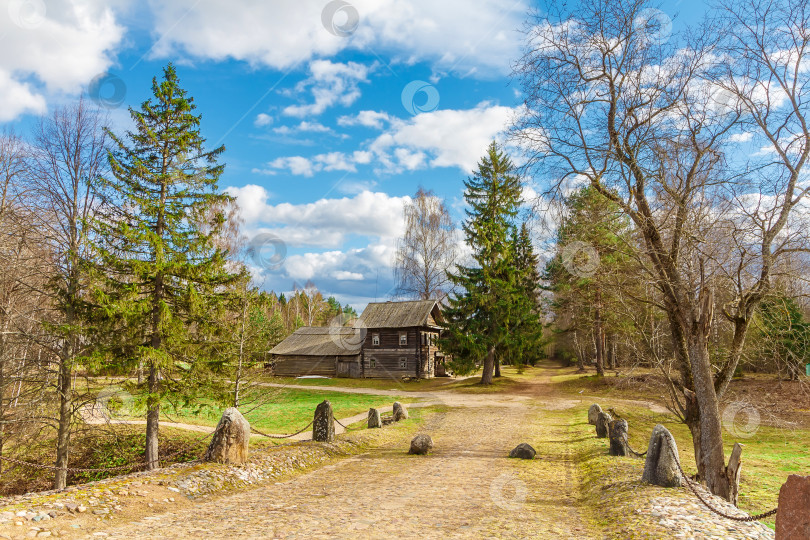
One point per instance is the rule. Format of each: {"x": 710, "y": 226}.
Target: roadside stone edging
{"x": 43, "y": 511}
{"x": 688, "y": 518}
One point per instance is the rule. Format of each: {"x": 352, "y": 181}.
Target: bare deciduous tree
{"x": 613, "y": 103}
{"x": 428, "y": 249}
{"x": 70, "y": 154}
{"x": 765, "y": 75}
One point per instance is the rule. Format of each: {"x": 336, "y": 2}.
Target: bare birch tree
{"x": 428, "y": 249}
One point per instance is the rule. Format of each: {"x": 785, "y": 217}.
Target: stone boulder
{"x": 231, "y": 439}
{"x": 617, "y": 433}
{"x": 793, "y": 517}
{"x": 660, "y": 466}
{"x": 603, "y": 420}
{"x": 523, "y": 451}
{"x": 593, "y": 414}
{"x": 323, "y": 426}
{"x": 374, "y": 420}
{"x": 421, "y": 445}
{"x": 400, "y": 413}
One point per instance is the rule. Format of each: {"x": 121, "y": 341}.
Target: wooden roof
{"x": 399, "y": 314}
{"x": 322, "y": 341}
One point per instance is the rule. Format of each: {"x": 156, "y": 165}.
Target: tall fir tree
{"x": 480, "y": 318}
{"x": 527, "y": 338}
{"x": 160, "y": 268}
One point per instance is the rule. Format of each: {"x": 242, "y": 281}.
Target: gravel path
{"x": 466, "y": 488}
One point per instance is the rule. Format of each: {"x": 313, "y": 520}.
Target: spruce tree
{"x": 479, "y": 319}
{"x": 527, "y": 338}
{"x": 161, "y": 272}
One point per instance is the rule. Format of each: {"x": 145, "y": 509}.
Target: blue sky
{"x": 326, "y": 136}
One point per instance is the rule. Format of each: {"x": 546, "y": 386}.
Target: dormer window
{"x": 403, "y": 338}
{"x": 375, "y": 340}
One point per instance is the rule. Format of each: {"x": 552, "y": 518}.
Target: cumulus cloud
{"x": 351, "y": 274}
{"x": 263, "y": 119}
{"x": 58, "y": 48}
{"x": 447, "y": 138}
{"x": 305, "y": 127}
{"x": 331, "y": 161}
{"x": 479, "y": 39}
{"x": 18, "y": 98}
{"x": 371, "y": 119}
{"x": 443, "y": 138}
{"x": 330, "y": 84}
{"x": 366, "y": 213}
{"x": 741, "y": 137}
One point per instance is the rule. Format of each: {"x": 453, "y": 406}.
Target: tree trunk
{"x": 611, "y": 352}
{"x": 63, "y": 389}
{"x": 711, "y": 435}
{"x": 152, "y": 420}
{"x": 580, "y": 355}
{"x": 497, "y": 367}
{"x": 599, "y": 336}
{"x": 489, "y": 365}
{"x": 692, "y": 421}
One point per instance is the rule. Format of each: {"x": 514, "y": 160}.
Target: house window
{"x": 403, "y": 363}
{"x": 375, "y": 339}
{"x": 372, "y": 362}
{"x": 403, "y": 338}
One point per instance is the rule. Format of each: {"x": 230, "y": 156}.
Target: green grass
{"x": 769, "y": 456}
{"x": 471, "y": 383}
{"x": 280, "y": 410}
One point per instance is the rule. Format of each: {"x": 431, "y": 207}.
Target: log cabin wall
{"x": 298, "y": 365}
{"x": 384, "y": 357}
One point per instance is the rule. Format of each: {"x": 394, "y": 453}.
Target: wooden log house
{"x": 390, "y": 340}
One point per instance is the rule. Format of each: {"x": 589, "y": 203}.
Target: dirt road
{"x": 466, "y": 488}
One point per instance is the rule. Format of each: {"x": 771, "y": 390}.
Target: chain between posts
{"x": 691, "y": 485}
{"x": 280, "y": 436}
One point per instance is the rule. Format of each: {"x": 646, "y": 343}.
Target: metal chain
{"x": 281, "y": 436}
{"x": 341, "y": 424}
{"x": 103, "y": 469}
{"x": 710, "y": 507}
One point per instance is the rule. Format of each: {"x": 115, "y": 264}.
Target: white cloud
{"x": 297, "y": 165}
{"x": 303, "y": 127}
{"x": 480, "y": 38}
{"x": 367, "y": 213}
{"x": 61, "y": 48}
{"x": 18, "y": 98}
{"x": 303, "y": 166}
{"x": 443, "y": 138}
{"x": 343, "y": 275}
{"x": 741, "y": 137}
{"x": 263, "y": 119}
{"x": 372, "y": 119}
{"x": 354, "y": 274}
{"x": 331, "y": 84}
